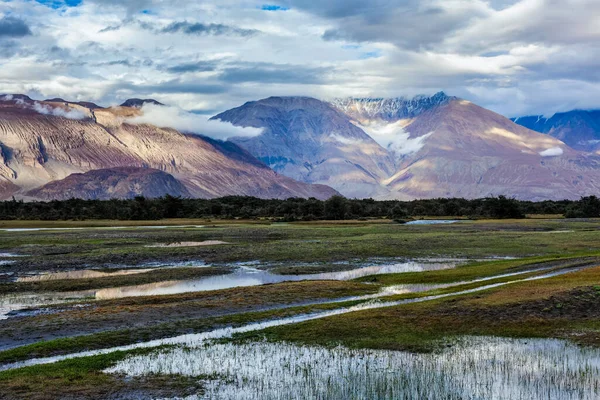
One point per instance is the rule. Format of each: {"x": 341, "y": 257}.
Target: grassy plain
{"x": 565, "y": 306}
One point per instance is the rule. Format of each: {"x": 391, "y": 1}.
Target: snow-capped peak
{"x": 389, "y": 109}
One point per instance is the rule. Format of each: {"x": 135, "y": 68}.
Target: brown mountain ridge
{"x": 46, "y": 141}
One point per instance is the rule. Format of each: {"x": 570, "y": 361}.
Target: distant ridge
{"x": 580, "y": 129}
{"x": 389, "y": 109}
{"x": 140, "y": 102}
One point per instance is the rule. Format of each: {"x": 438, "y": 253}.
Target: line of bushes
{"x": 335, "y": 208}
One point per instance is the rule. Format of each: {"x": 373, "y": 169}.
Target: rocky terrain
{"x": 312, "y": 141}
{"x": 111, "y": 183}
{"x": 425, "y": 147}
{"x": 580, "y": 129}
{"x": 45, "y": 141}
{"x": 473, "y": 152}
{"x": 391, "y": 110}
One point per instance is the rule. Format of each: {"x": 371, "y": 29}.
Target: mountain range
{"x": 43, "y": 142}
{"x": 438, "y": 146}
{"x": 398, "y": 148}
{"x": 580, "y": 129}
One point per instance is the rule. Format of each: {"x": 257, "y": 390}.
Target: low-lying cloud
{"x": 70, "y": 113}
{"x": 394, "y": 138}
{"x": 552, "y": 152}
{"x": 184, "y": 121}
{"x": 45, "y": 109}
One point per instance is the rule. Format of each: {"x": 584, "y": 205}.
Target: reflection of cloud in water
{"x": 175, "y": 287}
{"x": 20, "y": 301}
{"x": 248, "y": 276}
{"x": 80, "y": 274}
{"x": 100, "y": 227}
{"x": 197, "y": 339}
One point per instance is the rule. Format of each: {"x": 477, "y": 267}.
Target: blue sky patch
{"x": 273, "y": 7}
{"x": 371, "y": 54}
{"x": 56, "y": 4}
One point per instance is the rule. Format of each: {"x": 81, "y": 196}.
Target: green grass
{"x": 565, "y": 306}
{"x": 561, "y": 307}
{"x": 129, "y": 336}
{"x": 83, "y": 378}
{"x": 312, "y": 242}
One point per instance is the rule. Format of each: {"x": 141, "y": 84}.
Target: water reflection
{"x": 198, "y": 339}
{"x": 245, "y": 275}
{"x": 249, "y": 276}
{"x": 99, "y": 227}
{"x": 434, "y": 221}
{"x": 473, "y": 368}
{"x": 80, "y": 274}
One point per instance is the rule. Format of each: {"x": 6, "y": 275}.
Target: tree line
{"x": 293, "y": 209}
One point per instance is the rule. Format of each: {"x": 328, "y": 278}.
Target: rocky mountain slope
{"x": 427, "y": 147}
{"x": 112, "y": 183}
{"x": 45, "y": 141}
{"x": 393, "y": 109}
{"x": 310, "y": 140}
{"x": 580, "y": 129}
{"x": 473, "y": 152}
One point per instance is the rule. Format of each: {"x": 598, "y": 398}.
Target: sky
{"x": 516, "y": 57}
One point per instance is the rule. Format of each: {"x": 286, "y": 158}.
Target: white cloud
{"x": 393, "y": 137}
{"x": 71, "y": 113}
{"x": 345, "y": 140}
{"x": 184, "y": 121}
{"x": 507, "y": 55}
{"x": 552, "y": 152}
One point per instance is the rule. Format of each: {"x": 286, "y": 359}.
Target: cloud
{"x": 174, "y": 86}
{"x": 516, "y": 57}
{"x": 71, "y": 113}
{"x": 199, "y": 66}
{"x": 198, "y": 28}
{"x": 345, "y": 140}
{"x": 409, "y": 24}
{"x": 13, "y": 27}
{"x": 45, "y": 109}
{"x": 181, "y": 120}
{"x": 274, "y": 73}
{"x": 552, "y": 152}
{"x": 393, "y": 137}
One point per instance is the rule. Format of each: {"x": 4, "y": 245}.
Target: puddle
{"x": 435, "y": 221}
{"x": 80, "y": 274}
{"x": 99, "y": 227}
{"x": 11, "y": 255}
{"x": 197, "y": 339}
{"x": 188, "y": 244}
{"x": 249, "y": 276}
{"x": 472, "y": 368}
{"x": 561, "y": 231}
{"x": 245, "y": 275}
{"x": 12, "y": 305}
